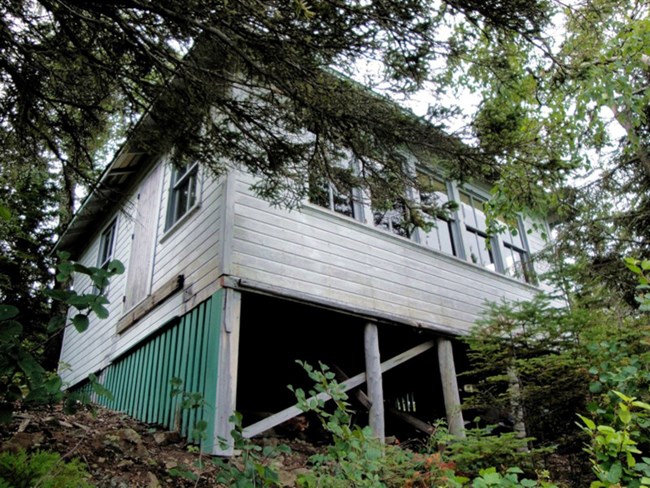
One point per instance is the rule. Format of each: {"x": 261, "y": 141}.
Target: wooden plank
{"x": 151, "y": 302}
{"x": 450, "y": 388}
{"x": 359, "y": 379}
{"x": 154, "y": 403}
{"x": 227, "y": 373}
{"x": 143, "y": 239}
{"x": 228, "y": 221}
{"x": 374, "y": 381}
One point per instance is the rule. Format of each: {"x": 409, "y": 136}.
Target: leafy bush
{"x": 22, "y": 378}
{"x": 614, "y": 448}
{"x": 482, "y": 449}
{"x": 43, "y": 469}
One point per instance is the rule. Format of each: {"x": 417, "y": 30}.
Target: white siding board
{"x": 86, "y": 352}
{"x": 329, "y": 256}
{"x": 192, "y": 249}
{"x": 344, "y": 279}
{"x": 378, "y": 263}
{"x": 316, "y": 229}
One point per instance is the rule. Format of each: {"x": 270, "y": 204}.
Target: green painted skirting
{"x": 140, "y": 382}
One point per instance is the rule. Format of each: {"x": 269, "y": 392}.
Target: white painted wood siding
{"x": 326, "y": 255}
{"x": 192, "y": 248}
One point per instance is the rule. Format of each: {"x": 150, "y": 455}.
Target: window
{"x": 323, "y": 193}
{"x": 183, "y": 193}
{"x": 478, "y": 246}
{"x": 106, "y": 251}
{"x": 107, "y": 245}
{"x": 393, "y": 217}
{"x": 441, "y": 236}
{"x": 516, "y": 261}
{"x": 343, "y": 199}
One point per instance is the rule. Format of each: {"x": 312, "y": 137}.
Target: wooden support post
{"x": 374, "y": 381}
{"x": 450, "y": 388}
{"x": 227, "y": 374}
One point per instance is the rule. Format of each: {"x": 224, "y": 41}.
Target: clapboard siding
{"x": 86, "y": 352}
{"x": 192, "y": 249}
{"x": 317, "y": 252}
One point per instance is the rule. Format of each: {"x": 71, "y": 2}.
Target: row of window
{"x": 462, "y": 233}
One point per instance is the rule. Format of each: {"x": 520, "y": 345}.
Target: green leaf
{"x": 116, "y": 267}
{"x": 622, "y": 396}
{"x": 595, "y": 387}
{"x": 81, "y": 322}
{"x": 100, "y": 310}
{"x": 101, "y": 390}
{"x": 5, "y": 213}
{"x": 55, "y": 324}
{"x": 10, "y": 330}
{"x": 642, "y": 405}
{"x": 625, "y": 416}
{"x": 7, "y": 311}
{"x": 588, "y": 422}
{"x": 615, "y": 472}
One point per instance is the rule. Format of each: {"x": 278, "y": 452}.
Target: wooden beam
{"x": 227, "y": 374}
{"x": 374, "y": 381}
{"x": 289, "y": 413}
{"x": 450, "y": 388}
{"x": 149, "y": 303}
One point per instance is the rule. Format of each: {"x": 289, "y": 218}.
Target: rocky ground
{"x": 121, "y": 452}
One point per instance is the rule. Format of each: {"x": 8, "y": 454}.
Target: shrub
{"x": 43, "y": 469}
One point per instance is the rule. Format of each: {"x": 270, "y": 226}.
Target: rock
{"x": 23, "y": 425}
{"x": 153, "y": 480}
{"x": 129, "y": 435}
{"x": 25, "y": 441}
{"x": 165, "y": 438}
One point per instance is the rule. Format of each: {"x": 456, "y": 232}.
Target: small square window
{"x": 183, "y": 193}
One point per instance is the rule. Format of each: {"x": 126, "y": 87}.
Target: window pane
{"x": 183, "y": 193}
{"x": 476, "y": 247}
{"x": 393, "y": 220}
{"x": 342, "y": 203}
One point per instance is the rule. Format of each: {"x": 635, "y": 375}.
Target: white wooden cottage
{"x": 225, "y": 292}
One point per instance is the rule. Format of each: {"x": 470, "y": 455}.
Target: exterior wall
{"x": 191, "y": 248}
{"x": 188, "y": 350}
{"x": 319, "y": 253}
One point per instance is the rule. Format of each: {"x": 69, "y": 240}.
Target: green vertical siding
{"x": 141, "y": 381}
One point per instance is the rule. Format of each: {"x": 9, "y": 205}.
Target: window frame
{"x": 450, "y": 222}
{"x": 110, "y": 232}
{"x": 106, "y": 251}
{"x": 331, "y": 192}
{"x": 191, "y": 177}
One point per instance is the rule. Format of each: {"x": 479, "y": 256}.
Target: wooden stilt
{"x": 450, "y": 388}
{"x": 374, "y": 381}
{"x": 227, "y": 374}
